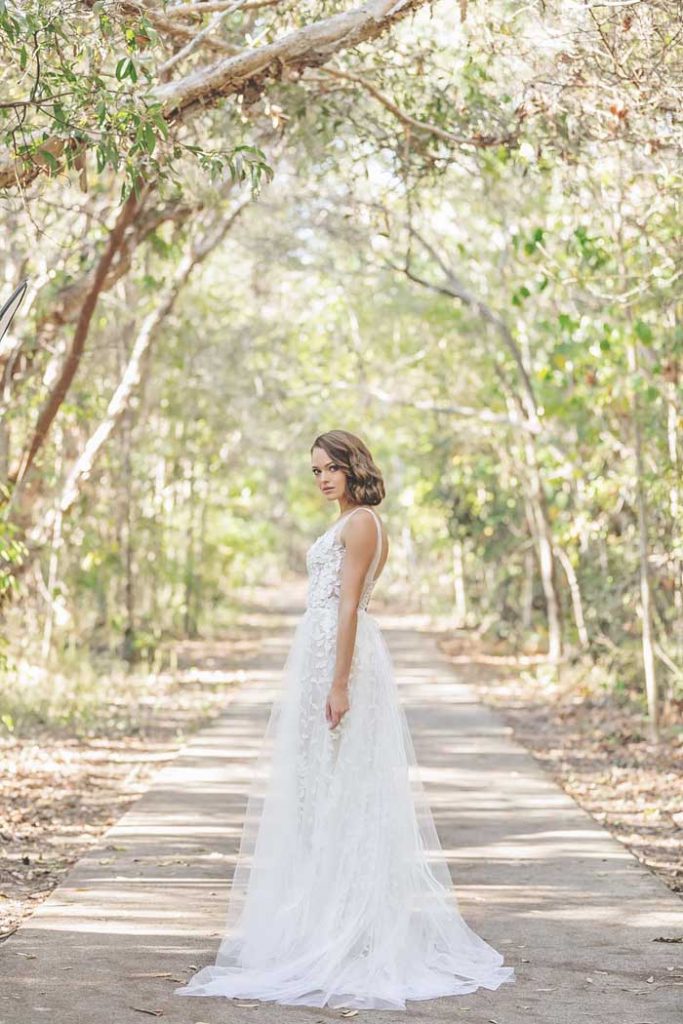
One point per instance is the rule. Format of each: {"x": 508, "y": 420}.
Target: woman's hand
{"x": 337, "y": 704}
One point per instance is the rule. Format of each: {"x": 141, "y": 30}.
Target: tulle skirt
{"x": 341, "y": 894}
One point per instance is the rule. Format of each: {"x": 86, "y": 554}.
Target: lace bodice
{"x": 324, "y": 561}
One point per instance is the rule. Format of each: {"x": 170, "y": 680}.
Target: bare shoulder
{"x": 361, "y": 528}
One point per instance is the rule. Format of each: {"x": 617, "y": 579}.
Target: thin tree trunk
{"x": 59, "y": 392}
{"x": 521, "y": 403}
{"x": 201, "y": 557}
{"x": 146, "y": 336}
{"x": 673, "y": 414}
{"x": 460, "y": 596}
{"x": 189, "y": 626}
{"x": 128, "y": 545}
{"x": 575, "y": 592}
{"x": 647, "y": 625}
{"x": 52, "y": 572}
{"x": 546, "y": 559}
{"x": 528, "y": 589}
{"x": 647, "y": 634}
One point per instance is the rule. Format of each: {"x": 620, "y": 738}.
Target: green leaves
{"x": 126, "y": 69}
{"x": 643, "y": 332}
{"x": 592, "y": 249}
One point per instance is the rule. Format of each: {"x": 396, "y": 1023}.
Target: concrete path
{"x": 572, "y": 910}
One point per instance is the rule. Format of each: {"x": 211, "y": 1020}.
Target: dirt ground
{"x": 596, "y": 748}
{"x": 59, "y": 793}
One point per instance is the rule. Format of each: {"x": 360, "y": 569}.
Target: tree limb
{"x": 67, "y": 302}
{"x": 58, "y": 393}
{"x": 477, "y": 142}
{"x": 196, "y": 253}
{"x": 452, "y": 409}
{"x": 184, "y": 10}
{"x": 454, "y": 287}
{"x": 311, "y": 45}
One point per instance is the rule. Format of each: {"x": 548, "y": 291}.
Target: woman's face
{"x": 329, "y": 476}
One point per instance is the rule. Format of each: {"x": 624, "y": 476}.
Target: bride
{"x": 341, "y": 895}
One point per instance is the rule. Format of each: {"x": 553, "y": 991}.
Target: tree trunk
{"x": 544, "y": 545}
{"x": 647, "y": 634}
{"x": 59, "y": 391}
{"x": 128, "y": 646}
{"x": 527, "y": 590}
{"x": 676, "y": 511}
{"x": 460, "y": 597}
{"x": 575, "y": 591}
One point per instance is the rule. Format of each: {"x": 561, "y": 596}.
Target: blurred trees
{"x": 469, "y": 254}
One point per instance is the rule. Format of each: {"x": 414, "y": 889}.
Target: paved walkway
{"x": 571, "y": 909}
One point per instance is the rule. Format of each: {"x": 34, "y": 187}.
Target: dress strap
{"x": 378, "y": 550}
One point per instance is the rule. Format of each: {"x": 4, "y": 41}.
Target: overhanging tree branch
{"x": 309, "y": 46}
{"x": 197, "y": 252}
{"x": 58, "y": 393}
{"x": 475, "y": 141}
{"x": 454, "y": 287}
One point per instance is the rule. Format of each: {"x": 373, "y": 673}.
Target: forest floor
{"x": 58, "y": 792}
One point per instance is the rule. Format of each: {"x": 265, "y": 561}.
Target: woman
{"x": 341, "y": 895}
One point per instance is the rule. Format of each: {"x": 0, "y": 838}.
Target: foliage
{"x": 469, "y": 255}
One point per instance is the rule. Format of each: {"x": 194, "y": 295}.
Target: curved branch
{"x": 309, "y": 46}
{"x": 477, "y": 142}
{"x": 58, "y": 393}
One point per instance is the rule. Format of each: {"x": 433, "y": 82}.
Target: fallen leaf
{"x": 247, "y": 1006}
{"x": 666, "y": 938}
{"x": 650, "y": 979}
{"x": 349, "y": 1013}
{"x": 152, "y": 1013}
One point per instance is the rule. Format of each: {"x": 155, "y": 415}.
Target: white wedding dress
{"x": 341, "y": 895}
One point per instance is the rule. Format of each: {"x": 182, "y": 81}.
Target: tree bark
{"x": 309, "y": 46}
{"x": 120, "y": 401}
{"x": 525, "y": 403}
{"x": 575, "y": 592}
{"x": 58, "y": 393}
{"x": 459, "y": 591}
{"x": 647, "y": 626}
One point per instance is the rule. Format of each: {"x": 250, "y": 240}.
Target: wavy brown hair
{"x": 364, "y": 481}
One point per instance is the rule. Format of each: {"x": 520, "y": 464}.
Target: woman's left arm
{"x": 360, "y": 539}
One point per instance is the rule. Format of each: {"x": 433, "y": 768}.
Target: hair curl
{"x": 364, "y": 481}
